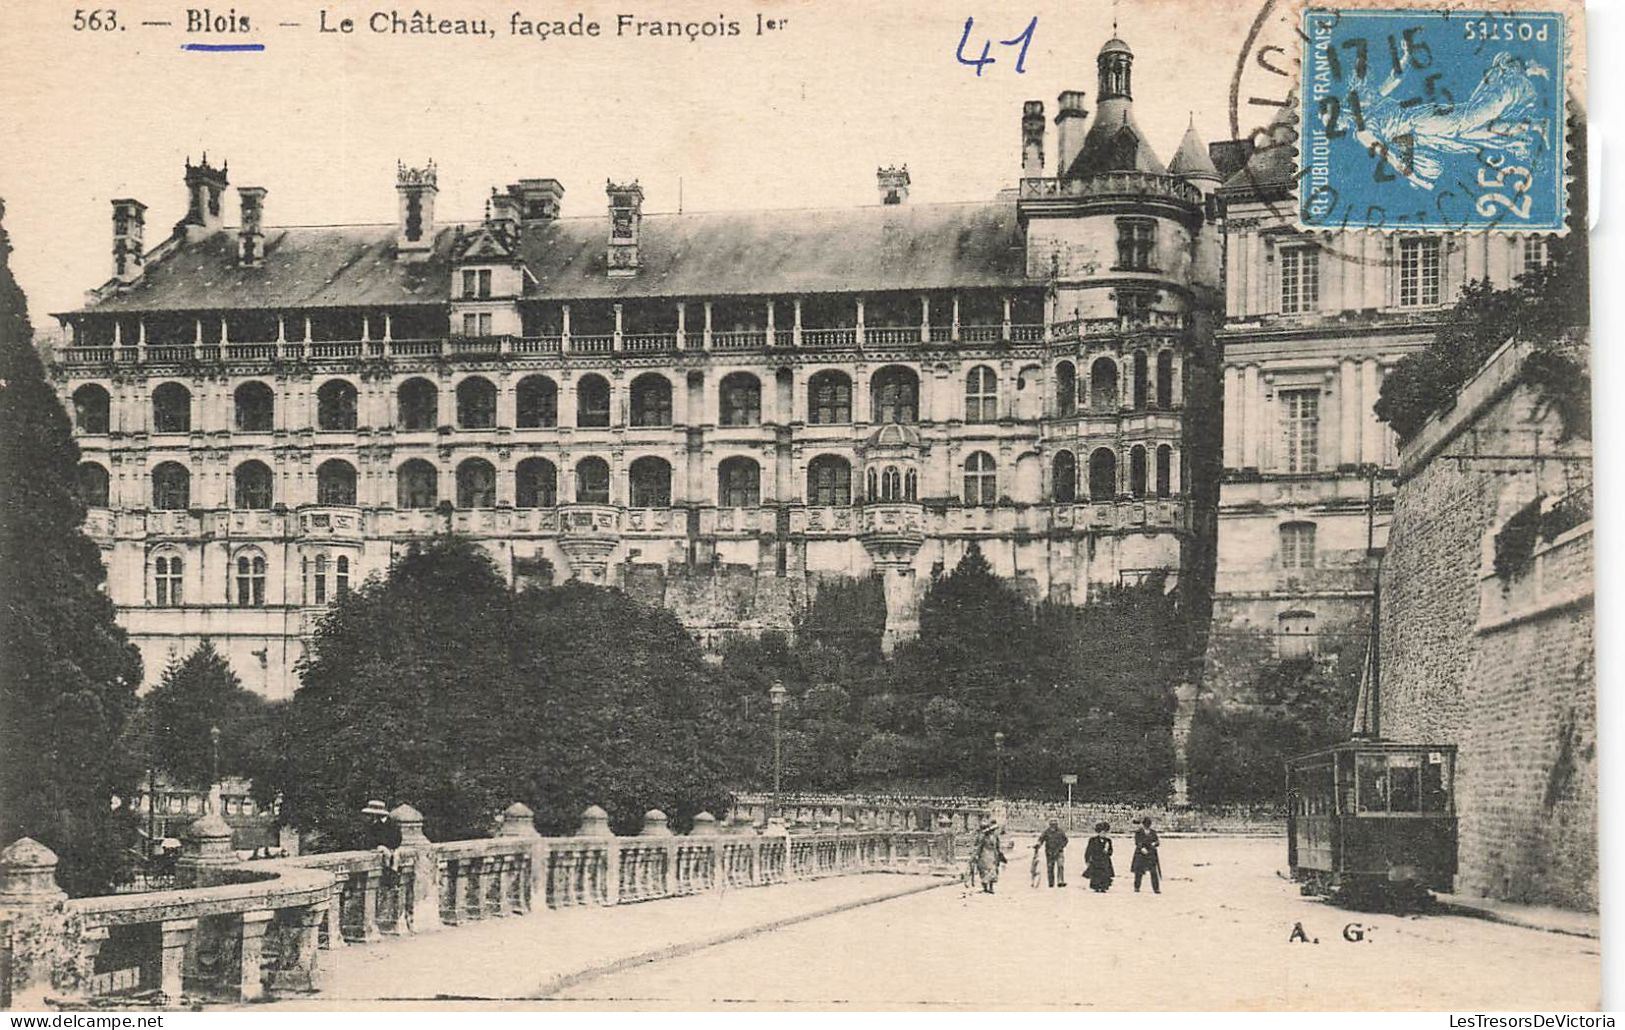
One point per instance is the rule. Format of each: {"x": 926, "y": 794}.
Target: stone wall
{"x": 1500, "y": 665}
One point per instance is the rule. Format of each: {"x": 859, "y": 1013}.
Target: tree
{"x": 198, "y": 694}
{"x": 69, "y": 673}
{"x": 439, "y": 686}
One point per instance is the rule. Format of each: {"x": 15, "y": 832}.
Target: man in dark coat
{"x": 384, "y": 837}
{"x": 1053, "y": 840}
{"x": 1145, "y": 857}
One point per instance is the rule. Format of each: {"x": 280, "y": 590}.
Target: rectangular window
{"x": 485, "y": 283}
{"x": 1298, "y": 545}
{"x": 1418, "y": 272}
{"x": 1300, "y": 279}
{"x": 1300, "y": 424}
{"x": 1536, "y": 253}
{"x": 469, "y": 281}
{"x": 485, "y": 324}
{"x": 1134, "y": 305}
{"x": 1136, "y": 243}
{"x": 471, "y": 324}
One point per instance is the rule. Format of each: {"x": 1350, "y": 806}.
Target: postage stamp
{"x": 1432, "y": 119}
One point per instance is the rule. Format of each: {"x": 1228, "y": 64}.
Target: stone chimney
{"x": 1032, "y": 139}
{"x": 502, "y": 212}
{"x": 129, "y": 227}
{"x": 415, "y": 228}
{"x": 251, "y": 230}
{"x": 893, "y": 184}
{"x": 205, "y": 186}
{"x": 625, "y": 221}
{"x": 539, "y": 199}
{"x": 1069, "y": 129}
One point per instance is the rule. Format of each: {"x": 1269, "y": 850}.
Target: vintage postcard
{"x": 797, "y": 506}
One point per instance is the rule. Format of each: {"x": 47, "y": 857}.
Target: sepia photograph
{"x": 799, "y": 506}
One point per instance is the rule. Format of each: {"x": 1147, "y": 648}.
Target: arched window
{"x": 1295, "y": 634}
{"x": 172, "y": 409}
{"x": 829, "y": 481}
{"x": 90, "y": 410}
{"x": 1141, "y": 380}
{"x": 318, "y": 580}
{"x": 1165, "y": 470}
{"x": 1103, "y": 385}
{"x": 1136, "y": 471}
{"x": 335, "y": 482}
{"x": 1103, "y": 475}
{"x": 894, "y": 395}
{"x": 739, "y": 483}
{"x": 476, "y": 484}
{"x": 1066, "y": 389}
{"x": 91, "y": 484}
{"x": 829, "y": 398}
{"x": 1297, "y": 545}
{"x": 251, "y": 486}
{"x": 342, "y": 576}
{"x": 1063, "y": 479}
{"x": 592, "y": 402}
{"x": 250, "y": 577}
{"x": 535, "y": 484}
{"x": 254, "y": 407}
{"x": 536, "y": 401}
{"x": 171, "y": 487}
{"x": 911, "y": 485}
{"x": 740, "y": 398}
{"x": 1165, "y": 379}
{"x": 166, "y": 580}
{"x": 871, "y": 483}
{"x": 981, "y": 395}
{"x": 476, "y": 403}
{"x": 417, "y": 405}
{"x": 981, "y": 480}
{"x": 592, "y": 481}
{"x": 335, "y": 405}
{"x": 417, "y": 485}
{"x": 650, "y": 479}
{"x": 891, "y": 484}
{"x": 651, "y": 400}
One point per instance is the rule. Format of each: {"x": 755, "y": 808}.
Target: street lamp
{"x": 998, "y": 765}
{"x": 214, "y": 768}
{"x": 776, "y": 694}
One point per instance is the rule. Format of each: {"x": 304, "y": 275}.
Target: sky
{"x": 797, "y": 117}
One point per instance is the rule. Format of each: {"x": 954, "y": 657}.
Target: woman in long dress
{"x": 1097, "y": 860}
{"x": 989, "y": 856}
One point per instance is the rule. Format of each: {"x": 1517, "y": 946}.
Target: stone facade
{"x": 711, "y": 410}
{"x": 1500, "y": 664}
{"x": 1313, "y": 323}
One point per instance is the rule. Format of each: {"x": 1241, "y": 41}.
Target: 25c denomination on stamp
{"x": 1442, "y": 120}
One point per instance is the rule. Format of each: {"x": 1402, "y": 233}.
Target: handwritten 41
{"x": 1024, "y": 40}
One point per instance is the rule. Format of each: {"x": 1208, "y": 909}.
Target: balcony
{"x": 331, "y": 522}
{"x": 747, "y": 339}
{"x": 1120, "y": 325}
{"x": 1112, "y": 186}
{"x": 649, "y": 343}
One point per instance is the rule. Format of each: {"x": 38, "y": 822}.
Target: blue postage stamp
{"x": 1433, "y": 119}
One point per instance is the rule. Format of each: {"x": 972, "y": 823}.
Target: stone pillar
{"x": 176, "y": 934}
{"x": 205, "y": 853}
{"x": 254, "y": 924}
{"x": 369, "y": 906}
{"x": 417, "y": 853}
{"x": 1371, "y": 429}
{"x": 705, "y": 342}
{"x": 654, "y": 824}
{"x": 31, "y": 906}
{"x": 796, "y": 330}
{"x": 1233, "y": 417}
{"x": 518, "y": 821}
{"x": 1348, "y": 408}
{"x": 334, "y": 913}
{"x": 1251, "y": 416}
{"x": 682, "y": 324}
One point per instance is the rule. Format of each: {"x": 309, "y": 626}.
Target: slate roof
{"x": 1272, "y": 165}
{"x": 881, "y": 247}
{"x": 1115, "y": 143}
{"x": 1192, "y": 158}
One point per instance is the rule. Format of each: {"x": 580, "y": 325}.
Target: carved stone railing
{"x": 1111, "y": 185}
{"x": 240, "y": 930}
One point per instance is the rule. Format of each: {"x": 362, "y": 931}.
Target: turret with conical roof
{"x": 1114, "y": 143}
{"x": 1192, "y": 161}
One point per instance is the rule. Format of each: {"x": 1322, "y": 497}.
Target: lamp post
{"x": 998, "y": 765}
{"x": 214, "y": 768}
{"x": 776, "y": 694}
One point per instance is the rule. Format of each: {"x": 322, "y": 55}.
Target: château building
{"x": 1313, "y": 322}
{"x": 712, "y": 411}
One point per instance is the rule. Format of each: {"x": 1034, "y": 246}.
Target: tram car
{"x": 1373, "y": 822}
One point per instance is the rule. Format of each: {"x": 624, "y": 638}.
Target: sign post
{"x": 1069, "y": 779}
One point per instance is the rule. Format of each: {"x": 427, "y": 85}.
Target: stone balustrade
{"x": 236, "y": 931}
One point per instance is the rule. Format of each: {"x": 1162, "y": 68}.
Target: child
{"x": 1034, "y": 872}
{"x": 1097, "y": 860}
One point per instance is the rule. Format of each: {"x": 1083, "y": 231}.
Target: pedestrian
{"x": 1097, "y": 860}
{"x": 1145, "y": 856}
{"x": 989, "y": 856}
{"x": 1053, "y": 840}
{"x": 1033, "y": 872}
{"x": 384, "y": 837}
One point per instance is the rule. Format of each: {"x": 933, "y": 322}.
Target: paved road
{"x": 1217, "y": 937}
